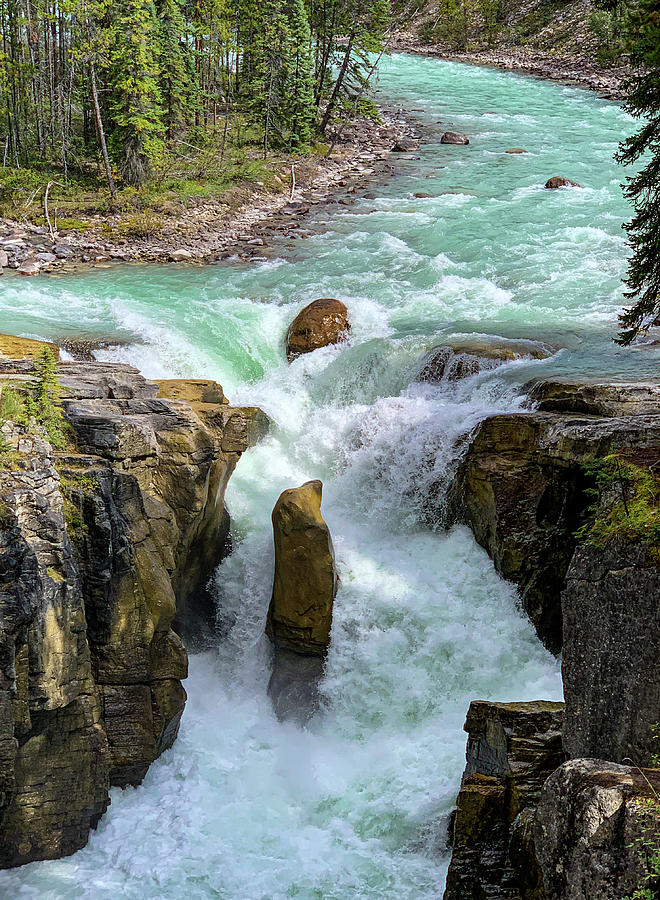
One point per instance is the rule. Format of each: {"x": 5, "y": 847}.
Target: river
{"x": 356, "y": 804}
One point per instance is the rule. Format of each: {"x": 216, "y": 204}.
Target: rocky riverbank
{"x": 203, "y": 231}
{"x": 575, "y": 69}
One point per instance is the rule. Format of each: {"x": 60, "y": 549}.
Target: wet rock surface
{"x": 305, "y": 584}
{"x": 512, "y": 748}
{"x": 460, "y": 359}
{"x": 300, "y": 613}
{"x": 103, "y": 547}
{"x": 521, "y": 487}
{"x": 454, "y": 137}
{"x": 610, "y": 660}
{"x": 322, "y": 322}
{"x": 558, "y": 181}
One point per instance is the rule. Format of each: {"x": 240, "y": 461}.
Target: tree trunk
{"x": 100, "y": 132}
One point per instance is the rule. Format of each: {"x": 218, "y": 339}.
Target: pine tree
{"x": 135, "y": 104}
{"x": 643, "y": 279}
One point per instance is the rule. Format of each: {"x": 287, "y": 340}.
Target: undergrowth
{"x": 626, "y": 503}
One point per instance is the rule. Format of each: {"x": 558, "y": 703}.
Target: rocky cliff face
{"x": 525, "y": 485}
{"x": 101, "y": 546}
{"x": 596, "y": 830}
{"x": 521, "y": 486}
{"x": 610, "y": 662}
{"x": 512, "y": 748}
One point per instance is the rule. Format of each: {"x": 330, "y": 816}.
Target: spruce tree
{"x": 135, "y": 103}
{"x": 643, "y": 278}
{"x": 174, "y": 66}
{"x": 301, "y": 111}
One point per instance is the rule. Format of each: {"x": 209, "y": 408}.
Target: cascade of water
{"x": 355, "y": 805}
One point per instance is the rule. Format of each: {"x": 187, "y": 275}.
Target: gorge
{"x": 464, "y": 242}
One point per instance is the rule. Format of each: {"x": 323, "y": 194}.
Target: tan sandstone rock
{"x": 25, "y": 348}
{"x": 300, "y": 613}
{"x": 323, "y": 322}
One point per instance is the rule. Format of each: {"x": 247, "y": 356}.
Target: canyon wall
{"x": 103, "y": 546}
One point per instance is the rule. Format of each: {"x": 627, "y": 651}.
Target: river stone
{"x": 558, "y": 181}
{"x": 4, "y": 260}
{"x": 516, "y": 150}
{"x": 180, "y": 255}
{"x": 29, "y": 267}
{"x": 453, "y": 137}
{"x": 405, "y": 145}
{"x": 305, "y": 584}
{"x": 323, "y": 322}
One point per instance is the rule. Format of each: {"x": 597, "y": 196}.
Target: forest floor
{"x": 569, "y": 67}
{"x": 201, "y": 225}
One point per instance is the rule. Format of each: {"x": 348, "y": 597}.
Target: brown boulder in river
{"x": 453, "y": 137}
{"x": 558, "y": 182}
{"x": 320, "y": 323}
{"x": 305, "y": 584}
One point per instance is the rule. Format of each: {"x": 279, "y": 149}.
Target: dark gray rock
{"x": 593, "y": 830}
{"x": 512, "y": 748}
{"x": 610, "y": 661}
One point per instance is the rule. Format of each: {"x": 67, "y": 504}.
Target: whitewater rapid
{"x": 356, "y": 804}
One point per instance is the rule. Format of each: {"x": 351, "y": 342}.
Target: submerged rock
{"x": 557, "y": 181}
{"x": 305, "y": 584}
{"x": 516, "y": 150}
{"x": 320, "y": 323}
{"x": 512, "y": 748}
{"x": 460, "y": 359}
{"x": 453, "y": 137}
{"x": 595, "y": 829}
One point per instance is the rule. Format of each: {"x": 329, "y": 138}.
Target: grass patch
{"x": 626, "y": 503}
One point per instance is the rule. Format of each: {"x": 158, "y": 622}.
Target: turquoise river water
{"x": 356, "y": 804}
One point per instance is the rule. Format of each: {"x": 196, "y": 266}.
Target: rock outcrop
{"x": 319, "y": 324}
{"x": 596, "y": 830}
{"x": 305, "y": 584}
{"x": 521, "y": 487}
{"x": 300, "y": 613}
{"x": 512, "y": 748}
{"x": 102, "y": 545}
{"x": 610, "y": 659}
{"x": 558, "y": 181}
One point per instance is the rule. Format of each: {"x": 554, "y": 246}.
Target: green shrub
{"x": 627, "y": 503}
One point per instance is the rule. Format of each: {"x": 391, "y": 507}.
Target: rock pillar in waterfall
{"x": 304, "y": 588}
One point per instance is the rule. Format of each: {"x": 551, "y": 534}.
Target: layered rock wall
{"x": 521, "y": 486}
{"x": 102, "y": 545}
